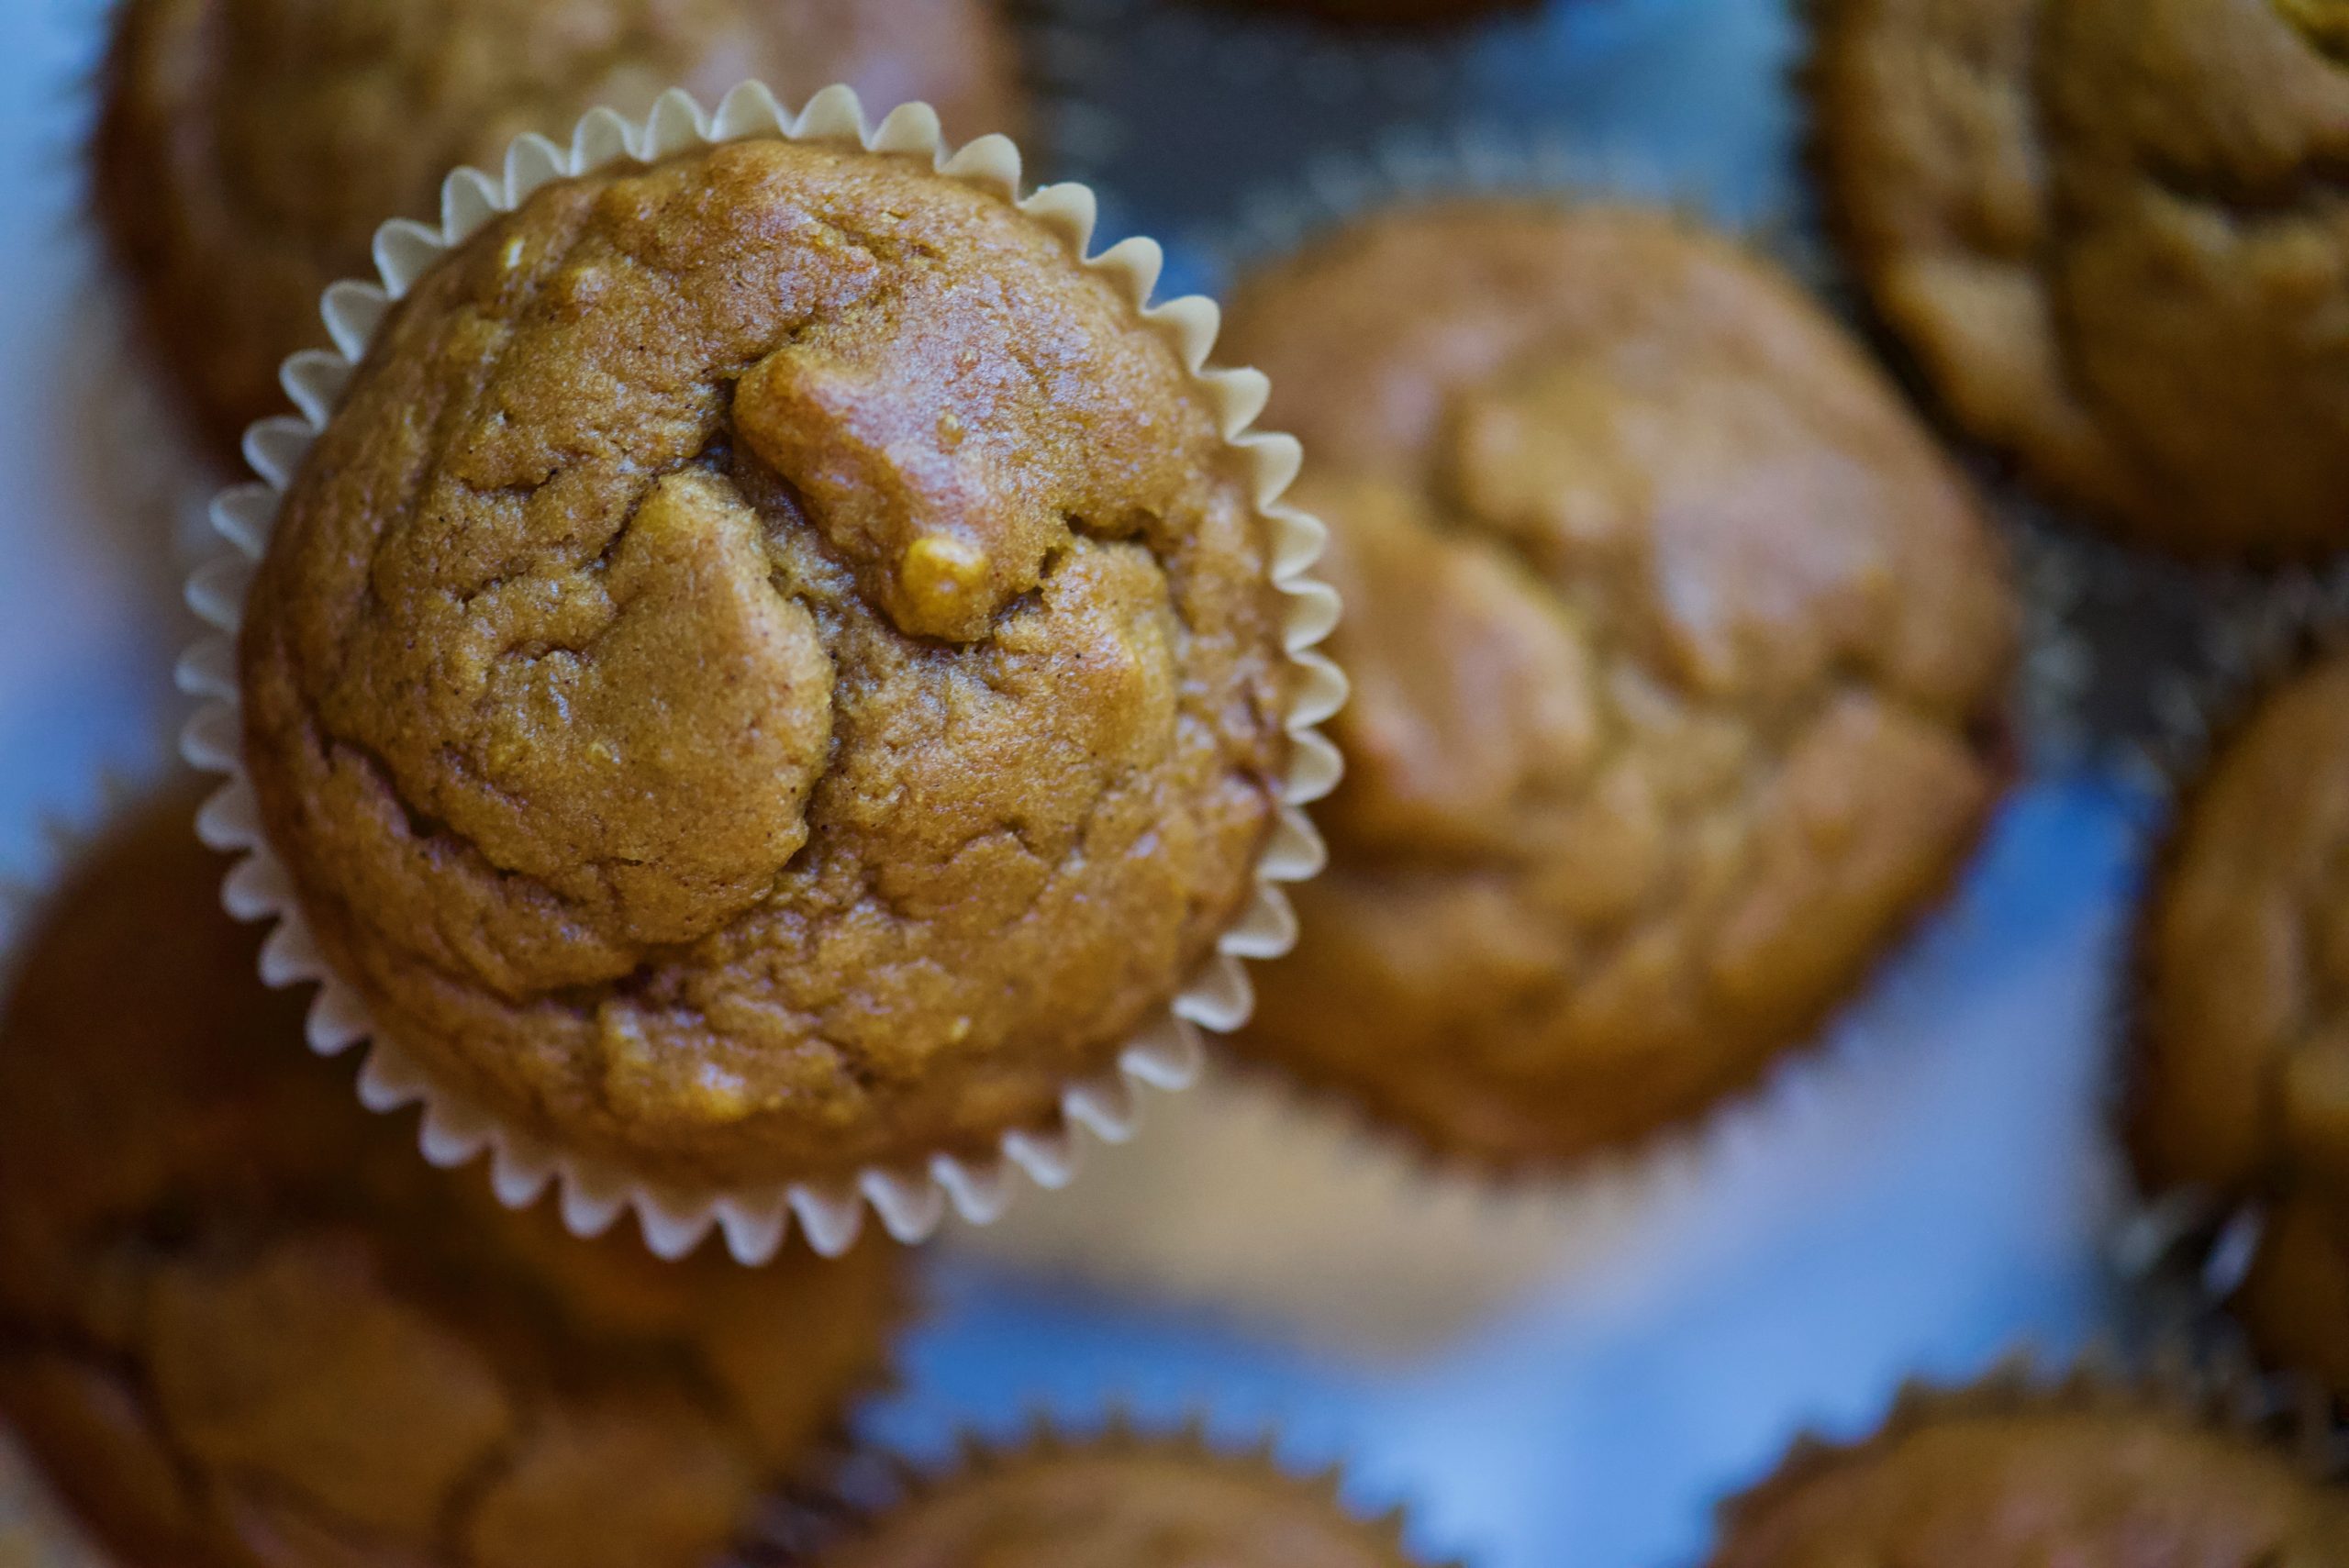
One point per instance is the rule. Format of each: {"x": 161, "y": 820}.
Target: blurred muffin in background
{"x": 1118, "y": 1501}
{"x": 1681, "y": 666}
{"x": 2240, "y": 1087}
{"x": 243, "y": 1323}
{"x": 2107, "y": 231}
{"x": 1997, "y": 1479}
{"x": 247, "y": 151}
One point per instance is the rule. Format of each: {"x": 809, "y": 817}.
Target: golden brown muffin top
{"x": 2241, "y": 1083}
{"x": 1122, "y": 1504}
{"x": 248, "y": 149}
{"x": 771, "y": 670}
{"x": 1677, "y": 651}
{"x": 245, "y": 1323}
{"x": 2244, "y": 1082}
{"x": 2105, "y": 228}
{"x": 2102, "y": 1488}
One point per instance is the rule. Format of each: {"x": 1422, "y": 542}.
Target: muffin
{"x": 2105, "y": 231}
{"x": 1995, "y": 1481}
{"x": 773, "y": 672}
{"x": 243, "y": 1326}
{"x": 1131, "y": 1502}
{"x": 2242, "y": 1076}
{"x": 246, "y": 150}
{"x": 1680, "y": 661}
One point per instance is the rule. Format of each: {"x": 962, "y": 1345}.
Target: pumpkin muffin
{"x": 772, "y": 672}
{"x": 1680, "y": 661}
{"x": 247, "y": 149}
{"x": 243, "y": 1326}
{"x": 1130, "y": 1502}
{"x": 2105, "y": 230}
{"x": 2241, "y": 1083}
{"x": 1997, "y": 1482}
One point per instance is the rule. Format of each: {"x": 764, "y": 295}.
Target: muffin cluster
{"x": 767, "y": 679}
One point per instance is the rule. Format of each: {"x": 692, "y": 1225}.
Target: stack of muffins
{"x": 764, "y": 680}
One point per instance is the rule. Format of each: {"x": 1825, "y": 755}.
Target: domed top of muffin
{"x": 2240, "y": 1087}
{"x": 1121, "y": 1502}
{"x": 242, "y": 1322}
{"x": 772, "y": 669}
{"x": 2110, "y": 1487}
{"x": 1679, "y": 658}
{"x": 2105, "y": 228}
{"x": 247, "y": 149}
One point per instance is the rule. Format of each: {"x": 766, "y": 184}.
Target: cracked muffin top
{"x": 1679, "y": 658}
{"x": 2109, "y": 234}
{"x": 2107, "y": 1487}
{"x": 244, "y": 1326}
{"x": 1121, "y": 1503}
{"x": 2241, "y": 1083}
{"x": 247, "y": 149}
{"x": 771, "y": 671}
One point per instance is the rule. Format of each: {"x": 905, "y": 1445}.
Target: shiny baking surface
{"x": 1931, "y": 1198}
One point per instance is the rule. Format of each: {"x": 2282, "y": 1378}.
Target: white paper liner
{"x": 1291, "y": 1211}
{"x": 593, "y": 1194}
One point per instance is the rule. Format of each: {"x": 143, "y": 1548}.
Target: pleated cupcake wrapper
{"x": 1288, "y": 1207}
{"x": 1311, "y": 76}
{"x": 2247, "y": 646}
{"x": 874, "y": 1484}
{"x": 2129, "y": 642}
{"x": 2218, "y": 1392}
{"x": 1467, "y": 159}
{"x": 909, "y": 1202}
{"x": 1359, "y": 1203}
